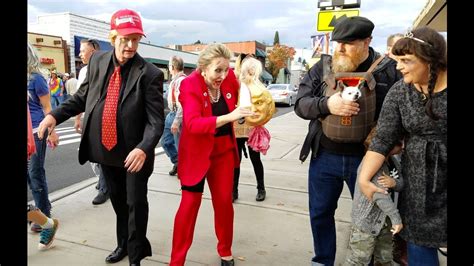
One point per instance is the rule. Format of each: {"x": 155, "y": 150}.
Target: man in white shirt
{"x": 170, "y": 138}
{"x": 88, "y": 47}
{"x": 71, "y": 84}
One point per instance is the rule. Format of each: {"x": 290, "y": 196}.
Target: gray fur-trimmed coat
{"x": 369, "y": 216}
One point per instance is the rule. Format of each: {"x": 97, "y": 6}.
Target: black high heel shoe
{"x": 227, "y": 262}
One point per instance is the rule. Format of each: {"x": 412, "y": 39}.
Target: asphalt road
{"x": 62, "y": 165}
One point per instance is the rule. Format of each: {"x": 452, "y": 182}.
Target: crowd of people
{"x": 206, "y": 130}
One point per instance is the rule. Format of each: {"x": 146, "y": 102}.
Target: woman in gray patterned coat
{"x": 415, "y": 109}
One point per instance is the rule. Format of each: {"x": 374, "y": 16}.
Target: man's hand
{"x": 174, "y": 127}
{"x": 135, "y": 160}
{"x": 53, "y": 140}
{"x": 77, "y": 124}
{"x": 341, "y": 107}
{"x": 48, "y": 123}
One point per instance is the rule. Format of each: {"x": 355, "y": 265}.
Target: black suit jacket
{"x": 141, "y": 116}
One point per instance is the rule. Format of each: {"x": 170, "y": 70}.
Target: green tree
{"x": 276, "y": 39}
{"x": 278, "y": 58}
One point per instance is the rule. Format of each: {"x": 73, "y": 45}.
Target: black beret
{"x": 352, "y": 28}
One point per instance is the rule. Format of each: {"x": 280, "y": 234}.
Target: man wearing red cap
{"x": 122, "y": 101}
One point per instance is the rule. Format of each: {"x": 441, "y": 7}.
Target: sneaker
{"x": 36, "y": 228}
{"x": 174, "y": 170}
{"x": 47, "y": 236}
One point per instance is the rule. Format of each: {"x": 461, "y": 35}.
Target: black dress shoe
{"x": 174, "y": 170}
{"x": 100, "y": 198}
{"x": 135, "y": 264}
{"x": 261, "y": 195}
{"x": 227, "y": 262}
{"x": 235, "y": 195}
{"x": 117, "y": 255}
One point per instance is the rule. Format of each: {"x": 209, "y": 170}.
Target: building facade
{"x": 52, "y": 51}
{"x": 72, "y": 28}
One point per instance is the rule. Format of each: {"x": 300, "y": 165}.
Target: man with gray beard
{"x": 333, "y": 163}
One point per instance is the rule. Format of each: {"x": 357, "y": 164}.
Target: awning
{"x": 266, "y": 76}
{"x": 260, "y": 53}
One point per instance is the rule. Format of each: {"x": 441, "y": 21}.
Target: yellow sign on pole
{"x": 328, "y": 18}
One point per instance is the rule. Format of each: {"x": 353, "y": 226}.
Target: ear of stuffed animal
{"x": 341, "y": 85}
{"x": 361, "y": 84}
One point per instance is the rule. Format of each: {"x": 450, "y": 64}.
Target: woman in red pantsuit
{"x": 207, "y": 150}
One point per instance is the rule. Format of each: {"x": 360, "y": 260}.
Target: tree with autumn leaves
{"x": 278, "y": 59}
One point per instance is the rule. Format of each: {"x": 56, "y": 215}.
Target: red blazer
{"x": 199, "y": 126}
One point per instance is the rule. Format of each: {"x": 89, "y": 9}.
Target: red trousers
{"x": 220, "y": 180}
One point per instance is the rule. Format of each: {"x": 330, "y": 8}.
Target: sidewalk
{"x": 273, "y": 232}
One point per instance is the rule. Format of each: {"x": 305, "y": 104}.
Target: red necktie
{"x": 109, "y": 116}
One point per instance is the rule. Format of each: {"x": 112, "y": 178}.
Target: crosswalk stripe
{"x": 69, "y": 141}
{"x": 68, "y": 136}
{"x": 65, "y": 142}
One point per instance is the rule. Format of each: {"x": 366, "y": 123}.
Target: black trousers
{"x": 128, "y": 194}
{"x": 256, "y": 163}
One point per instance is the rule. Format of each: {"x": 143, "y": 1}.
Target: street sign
{"x": 328, "y": 18}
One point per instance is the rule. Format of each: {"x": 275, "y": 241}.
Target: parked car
{"x": 283, "y": 93}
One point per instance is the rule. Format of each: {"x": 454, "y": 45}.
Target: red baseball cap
{"x": 126, "y": 21}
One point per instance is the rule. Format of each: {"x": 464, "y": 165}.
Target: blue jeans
{"x": 422, "y": 256}
{"x": 36, "y": 176}
{"x": 169, "y": 141}
{"x": 327, "y": 174}
{"x": 96, "y": 168}
{"x": 56, "y": 101}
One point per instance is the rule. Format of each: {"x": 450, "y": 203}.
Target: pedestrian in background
{"x": 415, "y": 110}
{"x": 391, "y": 40}
{"x": 71, "y": 84}
{"x": 242, "y": 127}
{"x": 122, "y": 101}
{"x": 39, "y": 104}
{"x": 56, "y": 88}
{"x": 88, "y": 47}
{"x": 170, "y": 138}
{"x": 65, "y": 79}
{"x": 333, "y": 163}
{"x": 208, "y": 150}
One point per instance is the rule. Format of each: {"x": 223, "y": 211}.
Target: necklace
{"x": 214, "y": 99}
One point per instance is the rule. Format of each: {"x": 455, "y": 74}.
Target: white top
{"x": 81, "y": 77}
{"x": 71, "y": 86}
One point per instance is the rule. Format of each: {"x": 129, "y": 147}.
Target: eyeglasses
{"x": 126, "y": 40}
{"x": 409, "y": 34}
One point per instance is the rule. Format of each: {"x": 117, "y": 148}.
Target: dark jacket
{"x": 140, "y": 118}
{"x": 311, "y": 103}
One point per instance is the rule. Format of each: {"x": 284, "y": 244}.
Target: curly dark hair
{"x": 430, "y": 47}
